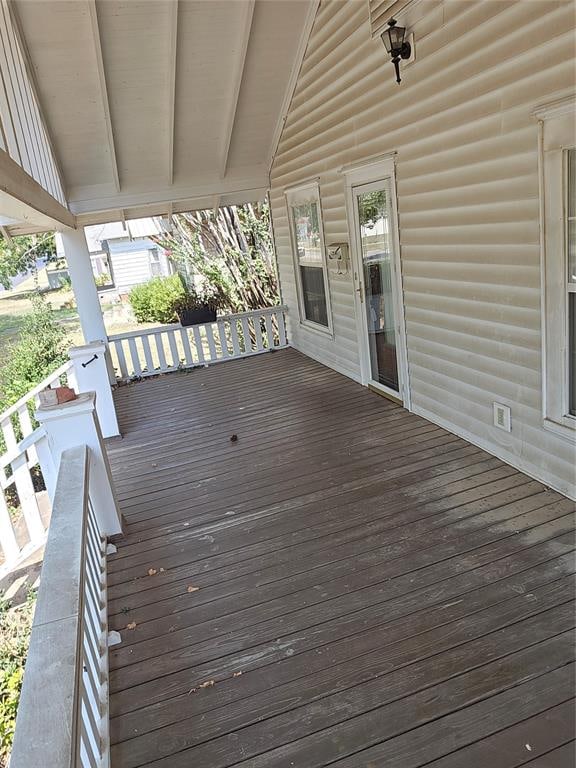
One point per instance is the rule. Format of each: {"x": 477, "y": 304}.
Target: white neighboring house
{"x": 126, "y": 253}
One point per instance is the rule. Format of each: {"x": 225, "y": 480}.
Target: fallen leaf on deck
{"x": 152, "y": 571}
{"x": 236, "y": 674}
{"x": 207, "y": 684}
{"x": 192, "y": 589}
{"x": 132, "y": 625}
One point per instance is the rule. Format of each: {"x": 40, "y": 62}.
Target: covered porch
{"x": 344, "y": 583}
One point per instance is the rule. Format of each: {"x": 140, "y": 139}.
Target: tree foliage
{"x": 20, "y": 254}
{"x": 229, "y": 249}
{"x": 40, "y": 349}
{"x": 372, "y": 208}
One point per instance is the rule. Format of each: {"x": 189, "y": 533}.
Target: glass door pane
{"x": 376, "y": 244}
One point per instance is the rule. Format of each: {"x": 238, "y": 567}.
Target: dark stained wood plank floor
{"x": 346, "y": 584}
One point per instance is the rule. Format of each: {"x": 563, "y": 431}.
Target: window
{"x": 155, "y": 263}
{"x": 304, "y": 215}
{"x": 558, "y": 201}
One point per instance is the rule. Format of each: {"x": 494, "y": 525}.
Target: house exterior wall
{"x": 22, "y": 132}
{"x": 131, "y": 263}
{"x": 466, "y": 147}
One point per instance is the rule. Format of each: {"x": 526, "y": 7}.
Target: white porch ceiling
{"x": 163, "y": 102}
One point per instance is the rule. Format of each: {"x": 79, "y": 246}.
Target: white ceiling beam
{"x": 164, "y": 195}
{"x": 103, "y": 89}
{"x": 201, "y": 200}
{"x": 244, "y": 37}
{"x": 172, "y": 54}
{"x": 6, "y": 235}
{"x": 216, "y": 203}
{"x": 24, "y": 200}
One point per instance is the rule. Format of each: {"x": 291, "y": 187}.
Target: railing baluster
{"x": 46, "y": 462}
{"x": 27, "y": 498}
{"x": 25, "y": 421}
{"x": 234, "y": 338}
{"x": 258, "y": 333}
{"x": 173, "y": 349}
{"x": 189, "y": 360}
{"x": 223, "y": 339}
{"x": 71, "y": 379}
{"x": 198, "y": 343}
{"x": 245, "y": 323}
{"x": 121, "y": 359}
{"x": 137, "y": 368}
{"x": 281, "y": 322}
{"x": 269, "y": 331}
{"x": 89, "y": 735}
{"x": 159, "y": 341}
{"x": 211, "y": 342}
{"x": 9, "y": 436}
{"x": 148, "y": 354}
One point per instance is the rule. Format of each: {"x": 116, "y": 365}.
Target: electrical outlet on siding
{"x": 502, "y": 417}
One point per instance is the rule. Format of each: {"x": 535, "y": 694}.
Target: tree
{"x": 229, "y": 249}
{"x": 372, "y": 208}
{"x": 40, "y": 349}
{"x": 20, "y": 254}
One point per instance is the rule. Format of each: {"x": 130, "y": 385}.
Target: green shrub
{"x": 39, "y": 350}
{"x": 156, "y": 300}
{"x": 15, "y": 626}
{"x": 103, "y": 279}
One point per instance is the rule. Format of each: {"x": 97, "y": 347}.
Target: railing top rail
{"x": 46, "y": 726}
{"x": 178, "y": 326}
{"x": 64, "y": 368}
{"x": 8, "y": 457}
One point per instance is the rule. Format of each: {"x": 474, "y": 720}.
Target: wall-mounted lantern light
{"x": 396, "y": 46}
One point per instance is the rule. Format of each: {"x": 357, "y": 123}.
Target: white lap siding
{"x": 468, "y": 201}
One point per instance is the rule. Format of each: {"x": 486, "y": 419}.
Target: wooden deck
{"x": 346, "y": 584}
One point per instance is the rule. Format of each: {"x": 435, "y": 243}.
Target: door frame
{"x": 362, "y": 174}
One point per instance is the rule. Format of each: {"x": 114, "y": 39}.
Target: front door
{"x": 378, "y": 286}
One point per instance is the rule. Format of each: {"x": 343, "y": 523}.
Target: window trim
{"x": 556, "y": 126}
{"x": 295, "y": 196}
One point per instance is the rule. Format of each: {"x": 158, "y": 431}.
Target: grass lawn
{"x": 15, "y": 304}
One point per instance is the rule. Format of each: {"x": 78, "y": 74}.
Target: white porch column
{"x": 76, "y": 423}
{"x": 92, "y": 376}
{"x": 75, "y": 249}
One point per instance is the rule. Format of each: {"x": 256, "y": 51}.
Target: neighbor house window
{"x": 155, "y": 264}
{"x": 558, "y": 201}
{"x": 309, "y": 255}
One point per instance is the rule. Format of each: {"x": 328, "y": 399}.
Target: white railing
{"x": 174, "y": 347}
{"x": 27, "y": 475}
{"x": 16, "y": 421}
{"x": 63, "y": 712}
